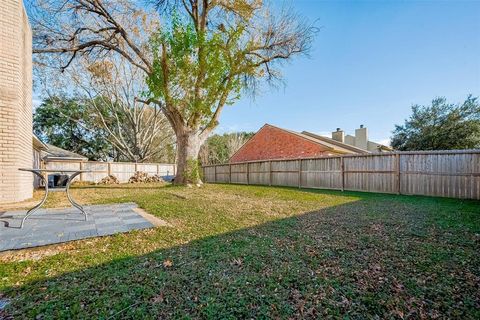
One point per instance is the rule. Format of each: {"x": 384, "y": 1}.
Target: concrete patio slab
{"x": 49, "y": 226}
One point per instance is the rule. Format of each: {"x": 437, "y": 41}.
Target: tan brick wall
{"x": 15, "y": 102}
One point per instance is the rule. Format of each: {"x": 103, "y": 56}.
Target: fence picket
{"x": 433, "y": 173}
{"x": 122, "y": 170}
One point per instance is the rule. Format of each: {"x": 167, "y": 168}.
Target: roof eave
{"x": 39, "y": 143}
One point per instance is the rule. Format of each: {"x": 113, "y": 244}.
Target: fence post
{"x": 269, "y": 173}
{"x": 248, "y": 173}
{"x": 342, "y": 170}
{"x": 109, "y": 168}
{"x": 300, "y": 173}
{"x": 158, "y": 170}
{"x": 397, "y": 170}
{"x": 136, "y": 167}
{"x": 229, "y": 173}
{"x": 81, "y": 168}
{"x": 215, "y": 173}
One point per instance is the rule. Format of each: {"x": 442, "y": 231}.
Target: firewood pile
{"x": 110, "y": 179}
{"x": 143, "y": 177}
{"x": 155, "y": 178}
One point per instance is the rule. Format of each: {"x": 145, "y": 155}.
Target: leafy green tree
{"x": 203, "y": 56}
{"x": 441, "y": 126}
{"x": 64, "y": 123}
{"x": 209, "y": 54}
{"x": 220, "y": 148}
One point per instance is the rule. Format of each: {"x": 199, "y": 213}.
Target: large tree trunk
{"x": 188, "y": 148}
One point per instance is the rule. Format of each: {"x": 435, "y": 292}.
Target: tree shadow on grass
{"x": 359, "y": 259}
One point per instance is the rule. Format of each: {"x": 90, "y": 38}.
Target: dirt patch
{"x": 157, "y": 222}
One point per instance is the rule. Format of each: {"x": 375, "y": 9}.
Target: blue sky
{"x": 370, "y": 62}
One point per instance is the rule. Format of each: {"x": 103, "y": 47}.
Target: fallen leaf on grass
{"x": 237, "y": 262}
{"x": 158, "y": 298}
{"x": 27, "y": 271}
{"x": 167, "y": 263}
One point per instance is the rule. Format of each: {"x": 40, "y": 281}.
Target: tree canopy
{"x": 440, "y": 126}
{"x": 220, "y": 148}
{"x": 200, "y": 57}
{"x": 64, "y": 123}
{"x": 74, "y": 124}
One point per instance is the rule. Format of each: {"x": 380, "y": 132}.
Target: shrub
{"x": 193, "y": 172}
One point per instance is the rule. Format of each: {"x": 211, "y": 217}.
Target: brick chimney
{"x": 338, "y": 135}
{"x": 361, "y": 137}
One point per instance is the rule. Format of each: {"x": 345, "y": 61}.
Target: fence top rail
{"x": 111, "y": 162}
{"x": 376, "y": 154}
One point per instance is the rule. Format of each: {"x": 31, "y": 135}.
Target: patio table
{"x": 43, "y": 175}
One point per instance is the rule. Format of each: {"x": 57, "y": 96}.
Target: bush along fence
{"x": 454, "y": 174}
{"x": 122, "y": 170}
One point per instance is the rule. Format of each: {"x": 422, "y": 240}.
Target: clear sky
{"x": 370, "y": 62}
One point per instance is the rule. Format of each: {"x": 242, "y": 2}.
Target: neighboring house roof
{"x": 332, "y": 145}
{"x": 328, "y": 143}
{"x": 329, "y": 146}
{"x": 56, "y": 153}
{"x": 370, "y": 144}
{"x": 379, "y": 146}
{"x": 336, "y": 143}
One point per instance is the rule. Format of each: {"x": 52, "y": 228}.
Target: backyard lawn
{"x": 258, "y": 252}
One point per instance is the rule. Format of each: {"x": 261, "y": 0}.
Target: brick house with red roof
{"x": 272, "y": 142}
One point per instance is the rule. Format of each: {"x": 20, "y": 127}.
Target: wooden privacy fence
{"x": 454, "y": 174}
{"x": 122, "y": 170}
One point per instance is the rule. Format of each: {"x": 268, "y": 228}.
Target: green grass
{"x": 258, "y": 252}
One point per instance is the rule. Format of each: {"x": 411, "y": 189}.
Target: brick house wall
{"x": 15, "y": 102}
{"x": 274, "y": 143}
